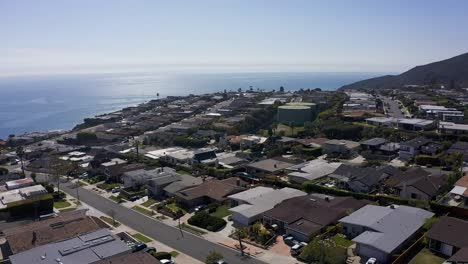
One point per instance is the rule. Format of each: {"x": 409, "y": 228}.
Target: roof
{"x": 387, "y": 227}
{"x": 294, "y": 107}
{"x": 368, "y": 176}
{"x": 419, "y": 179}
{"x": 349, "y": 144}
{"x": 463, "y": 182}
{"x": 270, "y": 165}
{"x": 308, "y": 214}
{"x": 313, "y": 169}
{"x": 62, "y": 227}
{"x": 215, "y": 189}
{"x": 184, "y": 182}
{"x": 460, "y": 257}
{"x": 134, "y": 258}
{"x": 261, "y": 199}
{"x": 448, "y": 230}
{"x": 374, "y": 142}
{"x": 417, "y": 142}
{"x": 87, "y": 248}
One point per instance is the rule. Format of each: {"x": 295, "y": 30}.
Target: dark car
{"x": 133, "y": 198}
{"x": 139, "y": 247}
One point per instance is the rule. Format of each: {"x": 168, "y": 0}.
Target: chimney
{"x": 34, "y": 238}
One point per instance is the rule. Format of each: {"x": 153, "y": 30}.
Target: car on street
{"x": 297, "y": 248}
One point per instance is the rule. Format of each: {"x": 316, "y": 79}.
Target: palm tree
{"x": 20, "y": 153}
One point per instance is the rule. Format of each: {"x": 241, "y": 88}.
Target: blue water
{"x": 42, "y": 103}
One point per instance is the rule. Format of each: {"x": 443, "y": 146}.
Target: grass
{"x": 116, "y": 199}
{"x": 342, "y": 241}
{"x": 110, "y": 221}
{"x": 82, "y": 183}
{"x": 143, "y": 210}
{"x": 222, "y": 211}
{"x": 174, "y": 253}
{"x": 142, "y": 238}
{"x": 67, "y": 209}
{"x": 174, "y": 208}
{"x": 149, "y": 202}
{"x": 183, "y": 172}
{"x": 192, "y": 229}
{"x": 425, "y": 256}
{"x": 61, "y": 204}
{"x": 108, "y": 186}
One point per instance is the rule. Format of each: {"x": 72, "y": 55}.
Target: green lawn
{"x": 108, "y": 186}
{"x": 116, "y": 199}
{"x": 192, "y": 229}
{"x": 425, "y": 256}
{"x": 342, "y": 241}
{"x": 149, "y": 202}
{"x": 183, "y": 172}
{"x": 174, "y": 207}
{"x": 222, "y": 211}
{"x": 109, "y": 221}
{"x": 287, "y": 130}
{"x": 142, "y": 238}
{"x": 143, "y": 210}
{"x": 174, "y": 253}
{"x": 67, "y": 209}
{"x": 61, "y": 204}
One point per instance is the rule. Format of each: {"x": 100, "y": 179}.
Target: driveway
{"x": 189, "y": 244}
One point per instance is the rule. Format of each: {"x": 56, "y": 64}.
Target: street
{"x": 393, "y": 107}
{"x": 190, "y": 244}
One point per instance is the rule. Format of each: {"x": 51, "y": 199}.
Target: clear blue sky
{"x": 329, "y": 35}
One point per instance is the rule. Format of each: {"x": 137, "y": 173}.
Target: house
{"x": 204, "y": 156}
{"x": 24, "y": 195}
{"x": 416, "y": 183}
{"x": 409, "y": 124}
{"x": 20, "y": 183}
{"x": 4, "y": 178}
{"x": 459, "y": 193}
{"x": 85, "y": 248}
{"x": 459, "y": 147}
{"x": 311, "y": 142}
{"x": 306, "y": 216}
{"x": 139, "y": 257}
{"x": 448, "y": 237}
{"x": 341, "y": 147}
{"x": 184, "y": 182}
{"x": 373, "y": 144}
{"x": 142, "y": 176}
{"x": 64, "y": 226}
{"x": 380, "y": 232}
{"x": 362, "y": 180}
{"x": 248, "y": 206}
{"x": 311, "y": 170}
{"x": 273, "y": 166}
{"x": 115, "y": 173}
{"x": 451, "y": 128}
{"x": 411, "y": 148}
{"x": 210, "y": 191}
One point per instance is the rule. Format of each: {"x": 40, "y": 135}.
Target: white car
{"x": 166, "y": 261}
{"x": 371, "y": 261}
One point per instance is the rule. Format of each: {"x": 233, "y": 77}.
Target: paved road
{"x": 190, "y": 244}
{"x": 393, "y": 111}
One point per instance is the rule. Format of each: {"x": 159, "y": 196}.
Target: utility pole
{"x": 180, "y": 229}
{"x": 77, "y": 192}
{"x": 240, "y": 242}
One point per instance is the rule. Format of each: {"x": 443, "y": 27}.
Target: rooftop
{"x": 448, "y": 230}
{"x": 270, "y": 165}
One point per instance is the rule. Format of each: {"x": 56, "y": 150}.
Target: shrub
{"x": 162, "y": 255}
{"x": 3, "y": 171}
{"x": 207, "y": 221}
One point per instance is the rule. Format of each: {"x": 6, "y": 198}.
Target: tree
{"x": 270, "y": 132}
{"x": 3, "y": 171}
{"x": 20, "y": 153}
{"x": 213, "y": 257}
{"x": 281, "y": 89}
{"x": 112, "y": 215}
{"x": 33, "y": 176}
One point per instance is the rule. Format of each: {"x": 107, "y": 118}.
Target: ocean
{"x": 46, "y": 102}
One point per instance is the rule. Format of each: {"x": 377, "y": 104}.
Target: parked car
{"x": 84, "y": 175}
{"x": 221, "y": 261}
{"x": 290, "y": 241}
{"x": 371, "y": 261}
{"x": 139, "y": 247}
{"x": 297, "y": 248}
{"x": 200, "y": 208}
{"x": 166, "y": 261}
{"x": 15, "y": 162}
{"x": 116, "y": 190}
{"x": 133, "y": 198}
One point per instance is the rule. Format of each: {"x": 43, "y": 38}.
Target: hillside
{"x": 442, "y": 72}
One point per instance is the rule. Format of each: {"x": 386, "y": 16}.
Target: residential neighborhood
{"x": 309, "y": 176}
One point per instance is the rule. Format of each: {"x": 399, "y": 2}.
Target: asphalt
{"x": 394, "y": 111}
{"x": 189, "y": 244}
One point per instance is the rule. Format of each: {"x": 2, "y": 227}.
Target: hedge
{"x": 427, "y": 160}
{"x": 207, "y": 221}
{"x": 31, "y": 207}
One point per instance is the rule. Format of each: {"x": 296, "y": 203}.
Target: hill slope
{"x": 441, "y": 72}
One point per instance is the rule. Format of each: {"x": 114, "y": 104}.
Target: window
{"x": 414, "y": 196}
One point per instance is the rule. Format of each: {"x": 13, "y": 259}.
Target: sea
{"x": 39, "y": 103}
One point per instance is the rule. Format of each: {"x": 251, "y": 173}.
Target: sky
{"x": 284, "y": 35}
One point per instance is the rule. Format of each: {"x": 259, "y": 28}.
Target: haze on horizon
{"x": 258, "y": 35}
